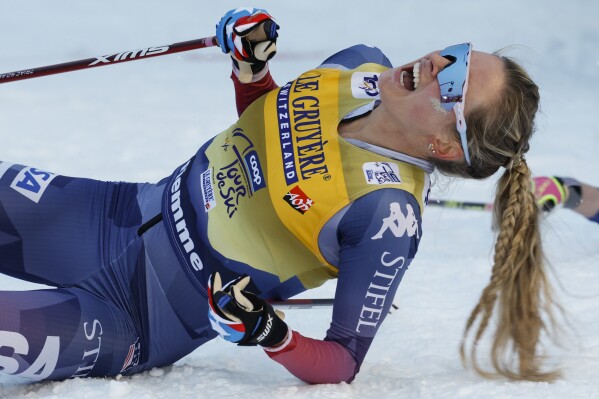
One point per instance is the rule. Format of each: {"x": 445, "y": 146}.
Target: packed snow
{"x": 138, "y": 121}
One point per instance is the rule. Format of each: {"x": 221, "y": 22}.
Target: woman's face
{"x": 411, "y": 94}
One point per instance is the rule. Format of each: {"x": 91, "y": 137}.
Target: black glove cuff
{"x": 278, "y": 329}
{"x": 270, "y": 331}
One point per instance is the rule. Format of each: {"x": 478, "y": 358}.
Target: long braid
{"x": 518, "y": 292}
{"x": 518, "y": 288}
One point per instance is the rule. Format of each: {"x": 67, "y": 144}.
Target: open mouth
{"x": 410, "y": 77}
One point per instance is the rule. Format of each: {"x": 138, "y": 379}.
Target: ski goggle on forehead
{"x": 453, "y": 81}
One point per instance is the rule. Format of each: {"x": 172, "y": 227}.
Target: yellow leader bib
{"x": 280, "y": 173}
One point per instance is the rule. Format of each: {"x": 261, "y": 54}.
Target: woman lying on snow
{"x": 324, "y": 177}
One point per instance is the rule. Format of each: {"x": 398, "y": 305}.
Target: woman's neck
{"x": 372, "y": 129}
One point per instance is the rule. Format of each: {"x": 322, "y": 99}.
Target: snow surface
{"x": 138, "y": 121}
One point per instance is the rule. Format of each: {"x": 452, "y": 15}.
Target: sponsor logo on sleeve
{"x": 398, "y": 223}
{"x": 365, "y": 85}
{"x": 381, "y": 173}
{"x": 207, "y": 190}
{"x": 32, "y": 183}
{"x": 376, "y": 294}
{"x": 298, "y": 200}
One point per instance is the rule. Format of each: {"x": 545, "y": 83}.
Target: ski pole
{"x": 309, "y": 303}
{"x": 302, "y": 303}
{"x": 467, "y": 205}
{"x": 103, "y": 60}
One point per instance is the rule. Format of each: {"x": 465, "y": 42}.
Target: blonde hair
{"x": 518, "y": 292}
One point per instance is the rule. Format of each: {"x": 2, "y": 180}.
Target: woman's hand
{"x": 249, "y": 35}
{"x": 241, "y": 317}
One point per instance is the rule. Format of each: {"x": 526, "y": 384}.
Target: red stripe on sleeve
{"x": 246, "y": 93}
{"x": 315, "y": 361}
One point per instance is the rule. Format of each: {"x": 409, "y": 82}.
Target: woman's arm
{"x": 314, "y": 361}
{"x": 378, "y": 238}
{"x": 249, "y": 36}
{"x": 246, "y": 93}
{"x": 262, "y": 82}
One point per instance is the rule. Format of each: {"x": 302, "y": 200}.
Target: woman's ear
{"x": 447, "y": 149}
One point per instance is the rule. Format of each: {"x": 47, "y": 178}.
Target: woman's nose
{"x": 440, "y": 62}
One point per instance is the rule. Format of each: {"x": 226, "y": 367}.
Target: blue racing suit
{"x": 126, "y": 300}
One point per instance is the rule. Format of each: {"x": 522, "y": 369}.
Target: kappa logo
{"x": 365, "y": 85}
{"x": 298, "y": 200}
{"x": 381, "y": 173}
{"x": 32, "y": 183}
{"x": 398, "y": 223}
